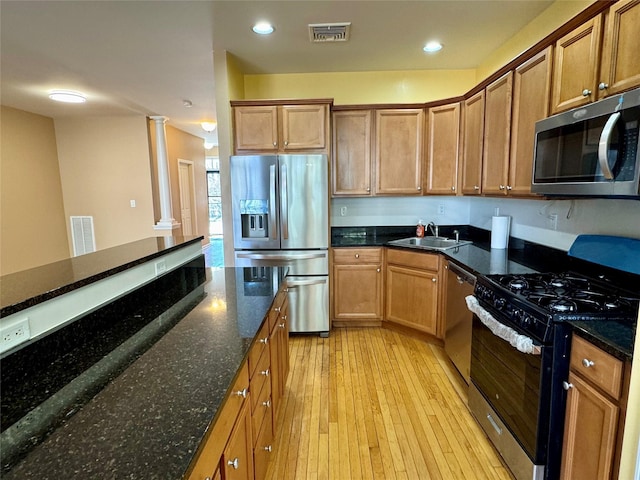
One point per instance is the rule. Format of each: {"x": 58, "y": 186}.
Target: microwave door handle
{"x": 284, "y": 202}
{"x": 273, "y": 225}
{"x": 603, "y": 146}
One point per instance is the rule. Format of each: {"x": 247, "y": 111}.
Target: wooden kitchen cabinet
{"x": 413, "y": 293}
{"x": 280, "y": 128}
{"x": 595, "y": 394}
{"x": 497, "y": 134}
{"x": 531, "y": 98}
{"x": 279, "y": 345}
{"x": 398, "y": 151}
{"x": 599, "y": 58}
{"x": 443, "y": 137}
{"x": 237, "y": 459}
{"x": 357, "y": 286}
{"x": 351, "y": 167}
{"x": 472, "y": 137}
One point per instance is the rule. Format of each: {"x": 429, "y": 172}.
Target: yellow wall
{"x": 547, "y": 22}
{"x": 104, "y": 163}
{"x": 412, "y": 86}
{"x": 32, "y": 219}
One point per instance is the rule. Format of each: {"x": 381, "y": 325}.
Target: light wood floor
{"x": 373, "y": 403}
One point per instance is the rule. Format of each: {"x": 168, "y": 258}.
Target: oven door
{"x": 513, "y": 384}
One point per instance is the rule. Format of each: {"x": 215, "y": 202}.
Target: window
{"x": 212, "y": 164}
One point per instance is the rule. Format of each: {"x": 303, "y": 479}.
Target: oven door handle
{"x": 521, "y": 342}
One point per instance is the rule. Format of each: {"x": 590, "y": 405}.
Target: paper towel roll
{"x": 498, "y": 261}
{"x": 500, "y": 231}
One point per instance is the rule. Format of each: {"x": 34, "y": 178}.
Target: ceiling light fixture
{"x": 187, "y": 103}
{"x": 208, "y": 126}
{"x": 208, "y": 145}
{"x": 433, "y": 46}
{"x": 67, "y": 96}
{"x": 262, "y": 28}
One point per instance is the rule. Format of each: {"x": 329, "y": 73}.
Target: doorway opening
{"x": 187, "y": 197}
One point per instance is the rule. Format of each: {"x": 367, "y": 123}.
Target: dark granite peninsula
{"x": 150, "y": 420}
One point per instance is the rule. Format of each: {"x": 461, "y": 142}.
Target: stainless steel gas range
{"x": 520, "y": 358}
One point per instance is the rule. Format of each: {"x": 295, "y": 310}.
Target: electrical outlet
{"x": 343, "y": 211}
{"x": 161, "y": 267}
{"x": 441, "y": 209}
{"x": 553, "y": 221}
{"x": 13, "y": 334}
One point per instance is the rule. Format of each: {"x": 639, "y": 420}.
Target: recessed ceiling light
{"x": 67, "y": 96}
{"x": 263, "y": 28}
{"x": 431, "y": 47}
{"x": 208, "y": 126}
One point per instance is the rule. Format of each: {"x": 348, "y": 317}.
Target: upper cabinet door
{"x": 399, "y": 151}
{"x": 531, "y": 97}
{"x": 576, "y": 66}
{"x": 473, "y": 133}
{"x": 443, "y": 136}
{"x": 620, "y": 68}
{"x": 497, "y": 133}
{"x": 256, "y": 128}
{"x": 304, "y": 127}
{"x": 351, "y": 172}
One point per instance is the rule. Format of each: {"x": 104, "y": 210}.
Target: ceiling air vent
{"x": 329, "y": 32}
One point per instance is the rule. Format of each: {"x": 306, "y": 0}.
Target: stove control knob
{"x": 526, "y": 319}
{"x": 499, "y": 303}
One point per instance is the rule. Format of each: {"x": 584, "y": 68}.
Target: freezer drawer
{"x": 308, "y": 304}
{"x": 298, "y": 262}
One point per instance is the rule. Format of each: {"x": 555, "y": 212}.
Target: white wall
{"x": 530, "y": 218}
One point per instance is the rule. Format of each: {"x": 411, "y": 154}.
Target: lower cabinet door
{"x": 263, "y": 450}
{"x": 237, "y": 459}
{"x": 589, "y": 433}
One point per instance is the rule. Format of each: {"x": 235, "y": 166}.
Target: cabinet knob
{"x": 434, "y": 280}
{"x": 277, "y": 309}
{"x": 281, "y": 325}
{"x": 378, "y": 269}
{"x": 501, "y": 187}
{"x": 235, "y": 463}
{"x": 357, "y": 255}
{"x": 267, "y": 448}
{"x": 453, "y": 189}
{"x": 242, "y": 393}
{"x": 368, "y": 189}
{"x": 587, "y": 363}
{"x": 476, "y": 187}
{"x": 284, "y": 317}
{"x": 419, "y": 188}
{"x": 264, "y": 340}
{"x": 586, "y": 92}
{"x": 603, "y": 86}
{"x": 286, "y": 143}
{"x": 567, "y": 385}
{"x": 509, "y": 187}
{"x": 275, "y": 144}
{"x": 265, "y": 372}
{"x": 266, "y": 404}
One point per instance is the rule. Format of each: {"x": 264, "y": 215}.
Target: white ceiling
{"x": 147, "y": 57}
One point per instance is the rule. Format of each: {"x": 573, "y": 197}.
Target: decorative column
{"x": 166, "y": 222}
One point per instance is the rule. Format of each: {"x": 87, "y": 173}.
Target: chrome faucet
{"x": 433, "y": 228}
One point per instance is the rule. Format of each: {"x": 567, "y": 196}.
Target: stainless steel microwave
{"x": 590, "y": 151}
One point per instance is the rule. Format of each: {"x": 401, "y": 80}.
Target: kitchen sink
{"x": 429, "y": 243}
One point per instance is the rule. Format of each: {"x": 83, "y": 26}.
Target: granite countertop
{"x": 26, "y": 288}
{"x": 149, "y": 421}
{"x": 521, "y": 257}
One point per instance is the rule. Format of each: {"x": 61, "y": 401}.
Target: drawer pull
{"x": 277, "y": 309}
{"x": 494, "y": 424}
{"x": 267, "y": 448}
{"x": 587, "y": 363}
{"x": 234, "y": 463}
{"x": 282, "y": 325}
{"x": 242, "y": 393}
{"x": 603, "y": 86}
{"x": 567, "y": 386}
{"x": 586, "y": 92}
{"x": 357, "y": 255}
{"x": 266, "y": 403}
{"x": 265, "y": 372}
{"x": 264, "y": 340}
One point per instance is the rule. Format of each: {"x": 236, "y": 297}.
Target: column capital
{"x": 159, "y": 118}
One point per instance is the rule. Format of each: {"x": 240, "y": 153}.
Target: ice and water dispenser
{"x": 254, "y": 216}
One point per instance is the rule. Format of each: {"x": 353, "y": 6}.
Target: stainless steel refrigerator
{"x": 281, "y": 218}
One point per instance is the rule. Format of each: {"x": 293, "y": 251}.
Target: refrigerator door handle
{"x": 311, "y": 281}
{"x": 268, "y": 256}
{"x": 284, "y": 203}
{"x": 273, "y": 225}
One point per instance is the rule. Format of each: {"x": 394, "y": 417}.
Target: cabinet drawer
{"x": 261, "y": 376}
{"x": 428, "y": 261}
{"x": 262, "y": 341}
{"x": 263, "y": 450}
{"x": 276, "y": 309}
{"x": 261, "y": 410}
{"x": 596, "y": 365}
{"x": 354, "y": 256}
